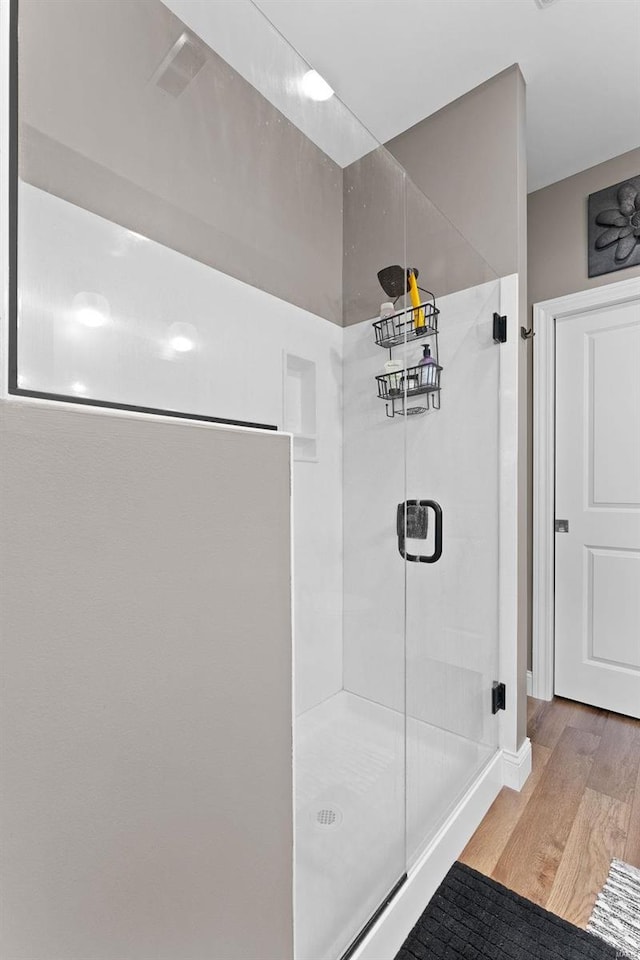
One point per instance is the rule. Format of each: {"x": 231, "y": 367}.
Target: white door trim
{"x": 545, "y": 317}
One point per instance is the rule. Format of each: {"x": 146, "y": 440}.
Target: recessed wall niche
{"x": 299, "y": 405}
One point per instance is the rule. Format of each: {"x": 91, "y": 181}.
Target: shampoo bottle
{"x": 427, "y": 368}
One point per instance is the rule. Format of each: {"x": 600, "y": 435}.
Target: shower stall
{"x": 199, "y": 238}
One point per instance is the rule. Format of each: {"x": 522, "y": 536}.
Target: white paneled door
{"x": 597, "y": 605}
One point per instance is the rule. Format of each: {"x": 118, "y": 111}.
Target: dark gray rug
{"x": 471, "y": 917}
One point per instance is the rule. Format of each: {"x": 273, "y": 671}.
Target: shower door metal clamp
{"x": 499, "y": 328}
{"x": 562, "y": 526}
{"x": 498, "y": 697}
{"x": 411, "y": 521}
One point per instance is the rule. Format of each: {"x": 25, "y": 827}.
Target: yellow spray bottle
{"x": 418, "y": 315}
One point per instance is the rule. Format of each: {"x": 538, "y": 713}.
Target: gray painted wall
{"x": 557, "y": 228}
{"x": 217, "y": 173}
{"x": 146, "y": 808}
{"x": 374, "y": 231}
{"x": 463, "y": 194}
{"x": 388, "y": 220}
{"x": 465, "y": 159}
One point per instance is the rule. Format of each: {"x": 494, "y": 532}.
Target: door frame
{"x": 546, "y": 315}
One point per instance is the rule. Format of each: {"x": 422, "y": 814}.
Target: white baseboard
{"x": 529, "y": 683}
{"x": 516, "y": 767}
{"x": 387, "y": 936}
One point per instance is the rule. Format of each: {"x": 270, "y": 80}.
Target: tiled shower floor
{"x": 350, "y": 811}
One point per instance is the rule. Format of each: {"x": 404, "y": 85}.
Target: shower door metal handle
{"x": 401, "y": 524}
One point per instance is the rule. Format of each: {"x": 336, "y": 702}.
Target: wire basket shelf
{"x": 410, "y": 382}
{"x": 412, "y": 323}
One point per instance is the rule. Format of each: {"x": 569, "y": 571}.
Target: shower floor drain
{"x": 327, "y": 816}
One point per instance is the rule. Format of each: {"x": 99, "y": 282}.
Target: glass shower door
{"x": 452, "y": 531}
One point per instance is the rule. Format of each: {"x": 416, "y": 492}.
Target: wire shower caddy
{"x": 419, "y": 380}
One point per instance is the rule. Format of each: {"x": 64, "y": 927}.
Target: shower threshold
{"x": 351, "y": 949}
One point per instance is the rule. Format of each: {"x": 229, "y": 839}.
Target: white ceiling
{"x": 395, "y": 62}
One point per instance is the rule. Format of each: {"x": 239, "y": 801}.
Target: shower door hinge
{"x": 499, "y": 328}
{"x": 498, "y": 697}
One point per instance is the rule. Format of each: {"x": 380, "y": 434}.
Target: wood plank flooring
{"x": 553, "y": 842}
